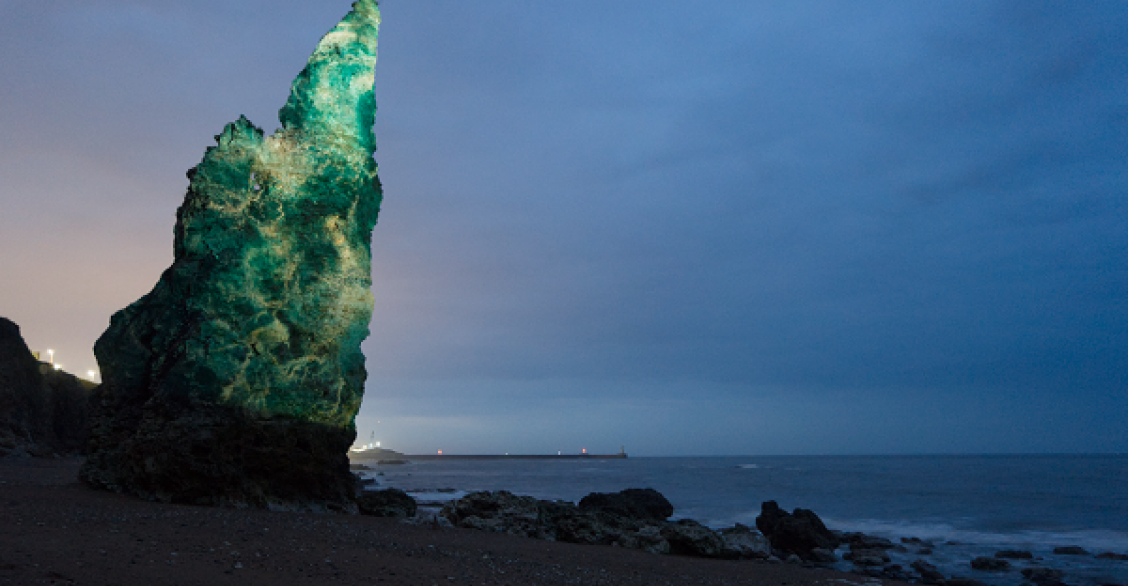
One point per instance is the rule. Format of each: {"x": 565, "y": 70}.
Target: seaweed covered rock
{"x": 237, "y": 379}
{"x": 42, "y": 411}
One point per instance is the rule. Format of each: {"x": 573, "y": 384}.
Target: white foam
{"x": 435, "y": 496}
{"x": 1092, "y": 539}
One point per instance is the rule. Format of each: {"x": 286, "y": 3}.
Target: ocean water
{"x": 966, "y": 505}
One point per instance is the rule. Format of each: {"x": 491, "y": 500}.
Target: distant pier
{"x": 390, "y": 456}
{"x": 618, "y": 456}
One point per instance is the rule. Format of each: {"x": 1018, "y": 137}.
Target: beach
{"x": 54, "y": 530}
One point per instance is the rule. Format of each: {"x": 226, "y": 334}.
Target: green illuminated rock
{"x": 236, "y": 380}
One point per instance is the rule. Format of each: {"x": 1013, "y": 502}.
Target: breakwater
{"x": 384, "y": 454}
{"x": 618, "y": 456}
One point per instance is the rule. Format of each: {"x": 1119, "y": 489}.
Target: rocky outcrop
{"x": 747, "y": 543}
{"x": 42, "y": 411}
{"x": 640, "y": 503}
{"x": 237, "y": 379}
{"x": 632, "y": 519}
{"x": 504, "y": 512}
{"x": 795, "y": 533}
{"x": 688, "y": 537}
{"x": 390, "y": 502}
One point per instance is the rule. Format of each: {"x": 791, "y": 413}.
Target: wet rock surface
{"x": 796, "y": 533}
{"x": 749, "y": 544}
{"x": 237, "y": 379}
{"x": 617, "y": 519}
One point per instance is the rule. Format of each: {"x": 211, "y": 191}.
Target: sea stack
{"x": 237, "y": 379}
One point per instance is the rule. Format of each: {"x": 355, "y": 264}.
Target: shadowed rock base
{"x": 216, "y": 455}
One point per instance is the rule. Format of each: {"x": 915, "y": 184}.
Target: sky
{"x": 723, "y": 228}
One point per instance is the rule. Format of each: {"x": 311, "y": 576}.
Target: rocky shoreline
{"x": 57, "y": 531}
{"x": 638, "y": 519}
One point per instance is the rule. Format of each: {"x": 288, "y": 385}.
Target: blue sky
{"x": 725, "y": 228}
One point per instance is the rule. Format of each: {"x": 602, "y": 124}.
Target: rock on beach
{"x": 106, "y": 539}
{"x": 237, "y": 379}
{"x": 797, "y": 533}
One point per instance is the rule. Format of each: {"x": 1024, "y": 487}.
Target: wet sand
{"x": 54, "y": 530}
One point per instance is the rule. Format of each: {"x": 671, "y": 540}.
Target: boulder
{"x": 1014, "y": 554}
{"x": 990, "y": 564}
{"x": 43, "y": 411}
{"x": 570, "y": 525}
{"x": 636, "y": 503}
{"x": 929, "y": 574}
{"x": 690, "y": 538}
{"x": 498, "y": 512}
{"x": 504, "y": 512}
{"x": 650, "y": 540}
{"x": 742, "y": 542}
{"x": 237, "y": 379}
{"x": 390, "y": 502}
{"x": 798, "y": 532}
{"x": 1070, "y": 550}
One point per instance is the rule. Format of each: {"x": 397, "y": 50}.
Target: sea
{"x": 966, "y": 506}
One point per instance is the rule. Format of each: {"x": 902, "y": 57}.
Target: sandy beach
{"x": 54, "y": 530}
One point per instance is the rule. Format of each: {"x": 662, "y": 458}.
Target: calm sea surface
{"x": 982, "y": 503}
